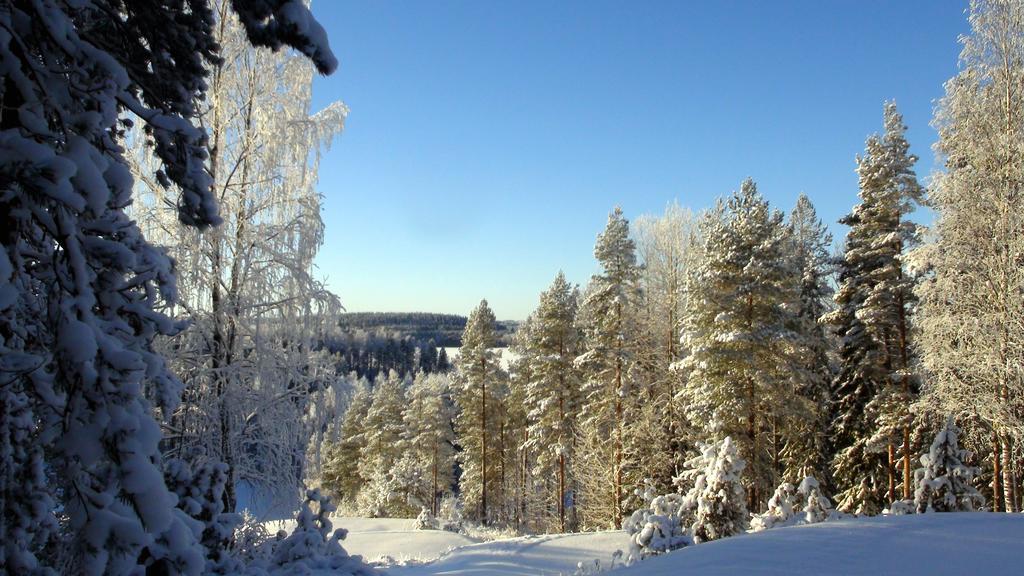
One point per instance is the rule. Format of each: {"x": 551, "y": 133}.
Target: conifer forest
{"x": 181, "y": 391}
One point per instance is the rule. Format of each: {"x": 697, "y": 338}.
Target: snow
{"x": 505, "y": 355}
{"x": 550, "y": 554}
{"x": 961, "y": 543}
{"x": 376, "y": 539}
{"x": 965, "y": 543}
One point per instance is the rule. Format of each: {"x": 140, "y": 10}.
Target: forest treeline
{"x": 737, "y": 325}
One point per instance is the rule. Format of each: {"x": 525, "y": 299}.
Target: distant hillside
{"x": 444, "y": 329}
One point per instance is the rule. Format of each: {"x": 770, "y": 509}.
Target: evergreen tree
{"x": 607, "y": 362}
{"x": 970, "y": 339}
{"x": 429, "y": 439}
{"x": 739, "y": 332}
{"x": 477, "y": 393}
{"x": 721, "y": 509}
{"x": 553, "y": 390}
{"x": 382, "y": 434}
{"x": 945, "y": 483}
{"x": 876, "y": 382}
{"x": 806, "y": 451}
{"x": 340, "y": 472}
{"x": 80, "y": 287}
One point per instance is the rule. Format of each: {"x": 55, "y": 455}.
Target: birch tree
{"x": 972, "y": 313}
{"x": 247, "y": 286}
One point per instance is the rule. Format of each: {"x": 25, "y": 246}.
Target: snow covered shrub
{"x": 426, "y": 520}
{"x": 900, "y": 507}
{"x": 449, "y": 513}
{"x": 944, "y": 484}
{"x": 200, "y": 495}
{"x": 721, "y": 503}
{"x": 314, "y": 545}
{"x": 781, "y": 509}
{"x": 815, "y": 506}
{"x": 250, "y": 540}
{"x": 656, "y": 527}
{"x": 791, "y": 506}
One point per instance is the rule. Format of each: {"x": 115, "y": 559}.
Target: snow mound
{"x": 966, "y": 543}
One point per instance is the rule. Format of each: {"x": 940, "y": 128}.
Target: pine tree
{"x": 382, "y": 433}
{"x": 945, "y": 483}
{"x": 877, "y": 382}
{"x": 477, "y": 392}
{"x": 806, "y": 451}
{"x": 340, "y": 472}
{"x": 739, "y": 332}
{"x": 429, "y": 439}
{"x": 80, "y": 287}
{"x": 971, "y": 310}
{"x": 610, "y": 346}
{"x": 553, "y": 391}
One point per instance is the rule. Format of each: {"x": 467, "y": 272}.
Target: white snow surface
{"x": 908, "y": 545}
{"x": 544, "y": 555}
{"x": 925, "y": 544}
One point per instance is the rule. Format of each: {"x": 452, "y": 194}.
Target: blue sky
{"x": 487, "y": 141}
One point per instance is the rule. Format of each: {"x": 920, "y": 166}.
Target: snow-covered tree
{"x": 339, "y": 473}
{"x": 610, "y": 339}
{"x": 945, "y": 483}
{"x": 721, "y": 501}
{"x": 971, "y": 342}
{"x": 668, "y": 248}
{"x": 740, "y": 371}
{"x": 379, "y": 457}
{"x": 80, "y": 286}
{"x": 806, "y": 451}
{"x": 657, "y": 527}
{"x": 314, "y": 544}
{"x": 877, "y": 381}
{"x": 247, "y": 286}
{"x": 429, "y": 439}
{"x": 553, "y": 394}
{"x": 477, "y": 391}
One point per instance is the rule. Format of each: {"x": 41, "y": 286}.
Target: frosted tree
{"x": 668, "y": 247}
{"x": 525, "y": 492}
{"x": 477, "y": 391}
{"x": 247, "y": 286}
{"x": 970, "y": 340}
{"x": 945, "y": 483}
{"x": 806, "y": 451}
{"x": 339, "y": 473}
{"x": 721, "y": 508}
{"x": 739, "y": 374}
{"x": 552, "y": 393}
{"x": 80, "y": 287}
{"x": 429, "y": 439}
{"x": 382, "y": 433}
{"x": 877, "y": 381}
{"x": 608, "y": 390}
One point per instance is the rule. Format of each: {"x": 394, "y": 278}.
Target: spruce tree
{"x": 945, "y": 484}
{"x": 609, "y": 393}
{"x": 340, "y": 472}
{"x": 81, "y": 289}
{"x": 428, "y": 437}
{"x": 876, "y": 382}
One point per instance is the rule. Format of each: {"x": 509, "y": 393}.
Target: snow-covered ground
{"x": 926, "y": 544}
{"x": 505, "y": 355}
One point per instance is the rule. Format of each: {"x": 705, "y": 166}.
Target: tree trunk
{"x": 890, "y": 469}
{"x": 483, "y": 441}
{"x": 997, "y": 474}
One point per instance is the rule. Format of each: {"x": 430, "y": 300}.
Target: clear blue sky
{"x": 487, "y": 141}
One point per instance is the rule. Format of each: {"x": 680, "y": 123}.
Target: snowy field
{"x": 925, "y": 544}
{"x": 505, "y": 355}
